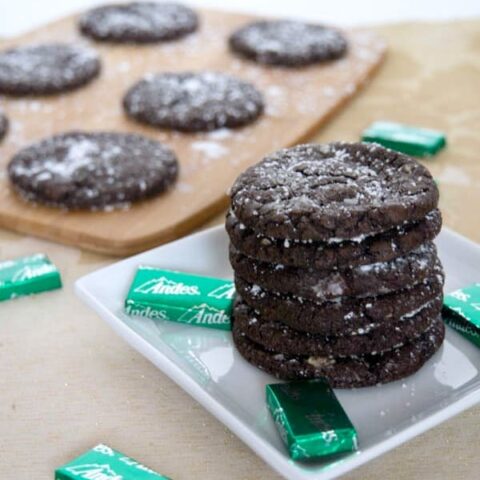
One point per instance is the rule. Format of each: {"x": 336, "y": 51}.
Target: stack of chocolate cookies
{"x": 335, "y": 269}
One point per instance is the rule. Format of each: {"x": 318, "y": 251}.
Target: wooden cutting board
{"x": 298, "y": 102}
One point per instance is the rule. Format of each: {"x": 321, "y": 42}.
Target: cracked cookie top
{"x": 332, "y": 191}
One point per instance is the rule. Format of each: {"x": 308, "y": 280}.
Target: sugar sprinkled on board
{"x": 220, "y": 134}
{"x": 211, "y": 150}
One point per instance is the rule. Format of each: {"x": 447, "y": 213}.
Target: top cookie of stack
{"x": 334, "y": 264}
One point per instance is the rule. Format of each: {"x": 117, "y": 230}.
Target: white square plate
{"x": 205, "y": 363}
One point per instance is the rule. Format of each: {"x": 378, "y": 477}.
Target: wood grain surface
{"x": 68, "y": 382}
{"x": 297, "y": 101}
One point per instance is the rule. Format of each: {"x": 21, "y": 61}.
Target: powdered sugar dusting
{"x": 327, "y": 187}
{"x": 86, "y": 170}
{"x": 139, "y": 21}
{"x": 46, "y": 68}
{"x": 211, "y": 150}
{"x": 193, "y": 101}
{"x": 288, "y": 43}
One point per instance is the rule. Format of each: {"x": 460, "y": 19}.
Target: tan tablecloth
{"x": 67, "y": 382}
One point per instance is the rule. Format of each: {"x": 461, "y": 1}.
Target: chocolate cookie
{"x": 3, "y": 125}
{"x": 80, "y": 170}
{"x": 347, "y": 372}
{"x": 46, "y": 68}
{"x": 334, "y": 253}
{"x": 346, "y": 317}
{"x": 332, "y": 191}
{"x": 288, "y": 43}
{"x": 139, "y": 22}
{"x": 274, "y": 336}
{"x": 320, "y": 286}
{"x": 193, "y": 102}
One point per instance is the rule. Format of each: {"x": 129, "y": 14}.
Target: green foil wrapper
{"x": 310, "y": 420}
{"x": 27, "y": 275}
{"x": 181, "y": 297}
{"x": 404, "y": 138}
{"x": 104, "y": 463}
{"x": 461, "y": 311}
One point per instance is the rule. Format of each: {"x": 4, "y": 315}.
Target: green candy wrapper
{"x": 311, "y": 421}
{"x": 461, "y": 311}
{"x": 104, "y": 463}
{"x": 181, "y": 297}
{"x": 27, "y": 275}
{"x": 406, "y": 139}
